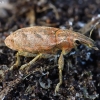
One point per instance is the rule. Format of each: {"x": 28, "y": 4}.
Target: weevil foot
{"x": 24, "y": 66}
{"x": 57, "y": 88}
{"x": 13, "y": 67}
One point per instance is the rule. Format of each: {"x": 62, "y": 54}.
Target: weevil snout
{"x": 85, "y": 41}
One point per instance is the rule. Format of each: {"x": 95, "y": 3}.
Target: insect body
{"x": 45, "y": 40}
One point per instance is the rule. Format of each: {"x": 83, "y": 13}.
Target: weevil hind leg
{"x": 26, "y": 66}
{"x": 27, "y": 54}
{"x": 17, "y": 62}
{"x": 60, "y": 67}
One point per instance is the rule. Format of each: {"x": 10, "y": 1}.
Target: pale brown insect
{"x": 45, "y": 40}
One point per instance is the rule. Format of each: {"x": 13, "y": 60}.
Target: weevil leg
{"x": 17, "y": 62}
{"x": 31, "y": 62}
{"x": 26, "y": 54}
{"x": 60, "y": 67}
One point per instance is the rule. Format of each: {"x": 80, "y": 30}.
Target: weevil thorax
{"x": 64, "y": 40}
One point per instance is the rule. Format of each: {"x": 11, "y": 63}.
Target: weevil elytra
{"x": 45, "y": 40}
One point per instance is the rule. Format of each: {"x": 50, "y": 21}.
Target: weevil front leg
{"x": 60, "y": 67}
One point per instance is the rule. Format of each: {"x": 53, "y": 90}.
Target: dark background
{"x": 81, "y": 75}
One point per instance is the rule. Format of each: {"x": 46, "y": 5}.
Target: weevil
{"x": 43, "y": 40}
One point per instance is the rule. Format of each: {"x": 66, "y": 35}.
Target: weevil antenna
{"x": 94, "y": 27}
{"x": 91, "y": 32}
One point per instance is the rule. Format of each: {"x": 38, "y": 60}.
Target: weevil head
{"x": 85, "y": 40}
{"x": 9, "y": 41}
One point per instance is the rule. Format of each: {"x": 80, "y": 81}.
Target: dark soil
{"x": 81, "y": 74}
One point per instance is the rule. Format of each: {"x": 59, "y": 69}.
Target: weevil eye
{"x": 77, "y": 42}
